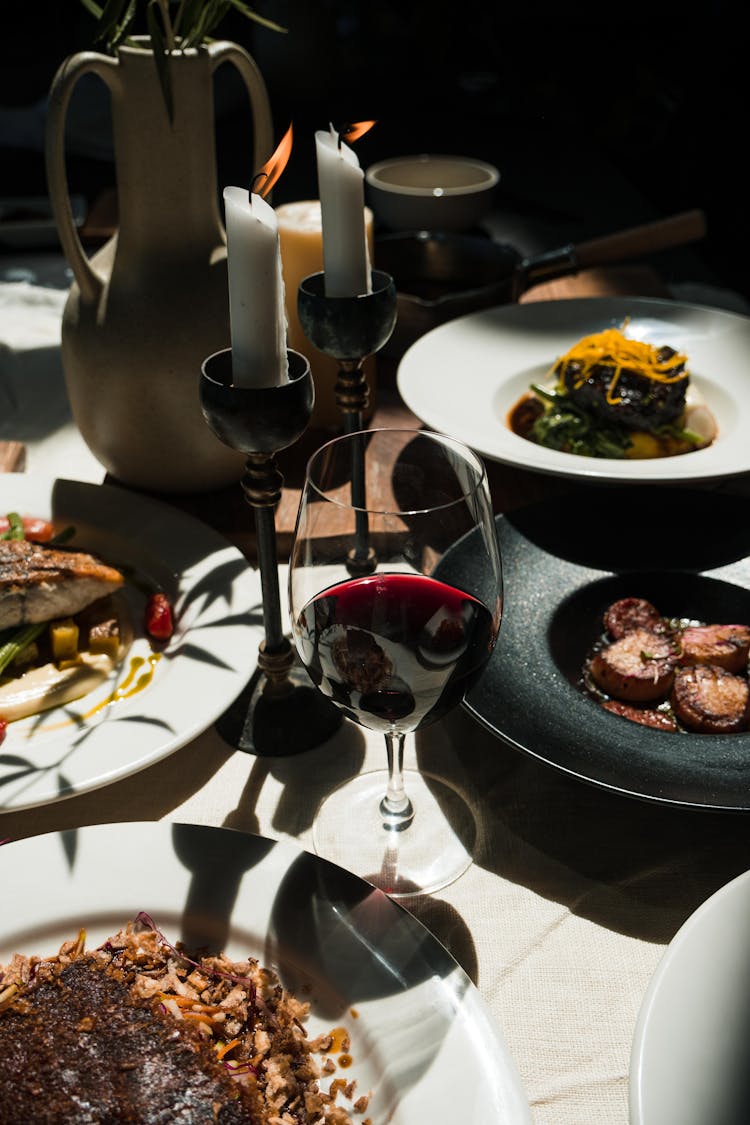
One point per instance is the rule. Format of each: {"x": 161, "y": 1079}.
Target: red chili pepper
{"x": 159, "y": 621}
{"x": 38, "y": 530}
{"x": 3, "y": 729}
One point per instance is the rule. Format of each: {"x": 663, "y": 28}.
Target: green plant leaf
{"x": 93, "y": 8}
{"x": 161, "y": 57}
{"x": 193, "y": 23}
{"x": 208, "y": 16}
{"x": 239, "y": 6}
{"x": 187, "y": 14}
{"x": 119, "y": 34}
{"x": 124, "y": 24}
{"x": 110, "y": 20}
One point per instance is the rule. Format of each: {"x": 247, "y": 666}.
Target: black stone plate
{"x": 688, "y": 552}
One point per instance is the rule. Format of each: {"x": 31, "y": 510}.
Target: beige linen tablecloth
{"x": 561, "y": 921}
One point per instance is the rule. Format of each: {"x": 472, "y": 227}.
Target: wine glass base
{"x": 432, "y": 852}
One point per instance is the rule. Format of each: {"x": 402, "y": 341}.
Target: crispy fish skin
{"x": 40, "y": 583}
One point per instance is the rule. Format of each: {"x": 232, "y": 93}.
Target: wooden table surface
{"x": 228, "y": 512}
{"x": 511, "y": 487}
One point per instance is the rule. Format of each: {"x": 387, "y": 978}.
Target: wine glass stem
{"x": 396, "y": 808}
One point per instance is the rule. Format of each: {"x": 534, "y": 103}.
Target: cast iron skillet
{"x": 440, "y": 269}
{"x": 440, "y": 276}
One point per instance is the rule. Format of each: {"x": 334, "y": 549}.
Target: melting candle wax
{"x": 257, "y": 313}
{"x": 256, "y": 291}
{"x": 342, "y": 199}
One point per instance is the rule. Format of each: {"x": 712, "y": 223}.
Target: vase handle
{"x": 85, "y": 62}
{"x": 224, "y": 51}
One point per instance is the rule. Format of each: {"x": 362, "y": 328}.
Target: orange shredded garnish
{"x": 611, "y": 348}
{"x": 189, "y": 1002}
{"x": 199, "y": 1017}
{"x": 223, "y": 1049}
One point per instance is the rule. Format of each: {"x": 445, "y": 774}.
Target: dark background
{"x": 597, "y": 118}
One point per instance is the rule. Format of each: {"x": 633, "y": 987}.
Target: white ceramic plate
{"x": 422, "y": 1038}
{"x": 463, "y": 377}
{"x": 201, "y": 671}
{"x": 689, "y": 1062}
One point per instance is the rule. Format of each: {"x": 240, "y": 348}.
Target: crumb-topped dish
{"x": 138, "y": 1029}
{"x": 388, "y": 1005}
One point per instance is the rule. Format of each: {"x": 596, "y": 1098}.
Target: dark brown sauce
{"x": 523, "y": 414}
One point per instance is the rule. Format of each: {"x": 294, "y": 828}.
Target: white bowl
{"x": 427, "y": 192}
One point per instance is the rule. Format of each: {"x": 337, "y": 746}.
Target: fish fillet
{"x": 40, "y": 583}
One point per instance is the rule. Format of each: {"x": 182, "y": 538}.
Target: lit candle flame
{"x": 352, "y": 133}
{"x": 266, "y": 177}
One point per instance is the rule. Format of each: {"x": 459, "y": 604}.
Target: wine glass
{"x": 389, "y": 641}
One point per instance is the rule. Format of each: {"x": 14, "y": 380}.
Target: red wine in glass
{"x": 395, "y": 649}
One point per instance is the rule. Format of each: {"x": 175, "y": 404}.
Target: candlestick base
{"x": 349, "y": 329}
{"x": 280, "y": 712}
{"x": 279, "y": 725}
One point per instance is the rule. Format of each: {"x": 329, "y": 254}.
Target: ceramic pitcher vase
{"x": 147, "y": 308}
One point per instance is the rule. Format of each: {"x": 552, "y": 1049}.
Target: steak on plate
{"x": 624, "y": 395}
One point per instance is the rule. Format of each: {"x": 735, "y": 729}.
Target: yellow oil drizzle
{"x": 128, "y": 687}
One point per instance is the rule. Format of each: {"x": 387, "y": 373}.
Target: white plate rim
{"x": 462, "y": 377}
{"x": 654, "y": 1063}
{"x": 217, "y": 597}
{"x": 81, "y": 878}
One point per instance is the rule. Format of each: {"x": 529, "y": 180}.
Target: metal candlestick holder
{"x": 349, "y": 329}
{"x": 281, "y": 712}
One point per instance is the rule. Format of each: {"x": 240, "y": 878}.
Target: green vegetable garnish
{"x": 18, "y": 641}
{"x": 15, "y": 530}
{"x": 564, "y": 426}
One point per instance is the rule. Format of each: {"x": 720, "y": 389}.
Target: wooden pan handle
{"x": 636, "y": 242}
